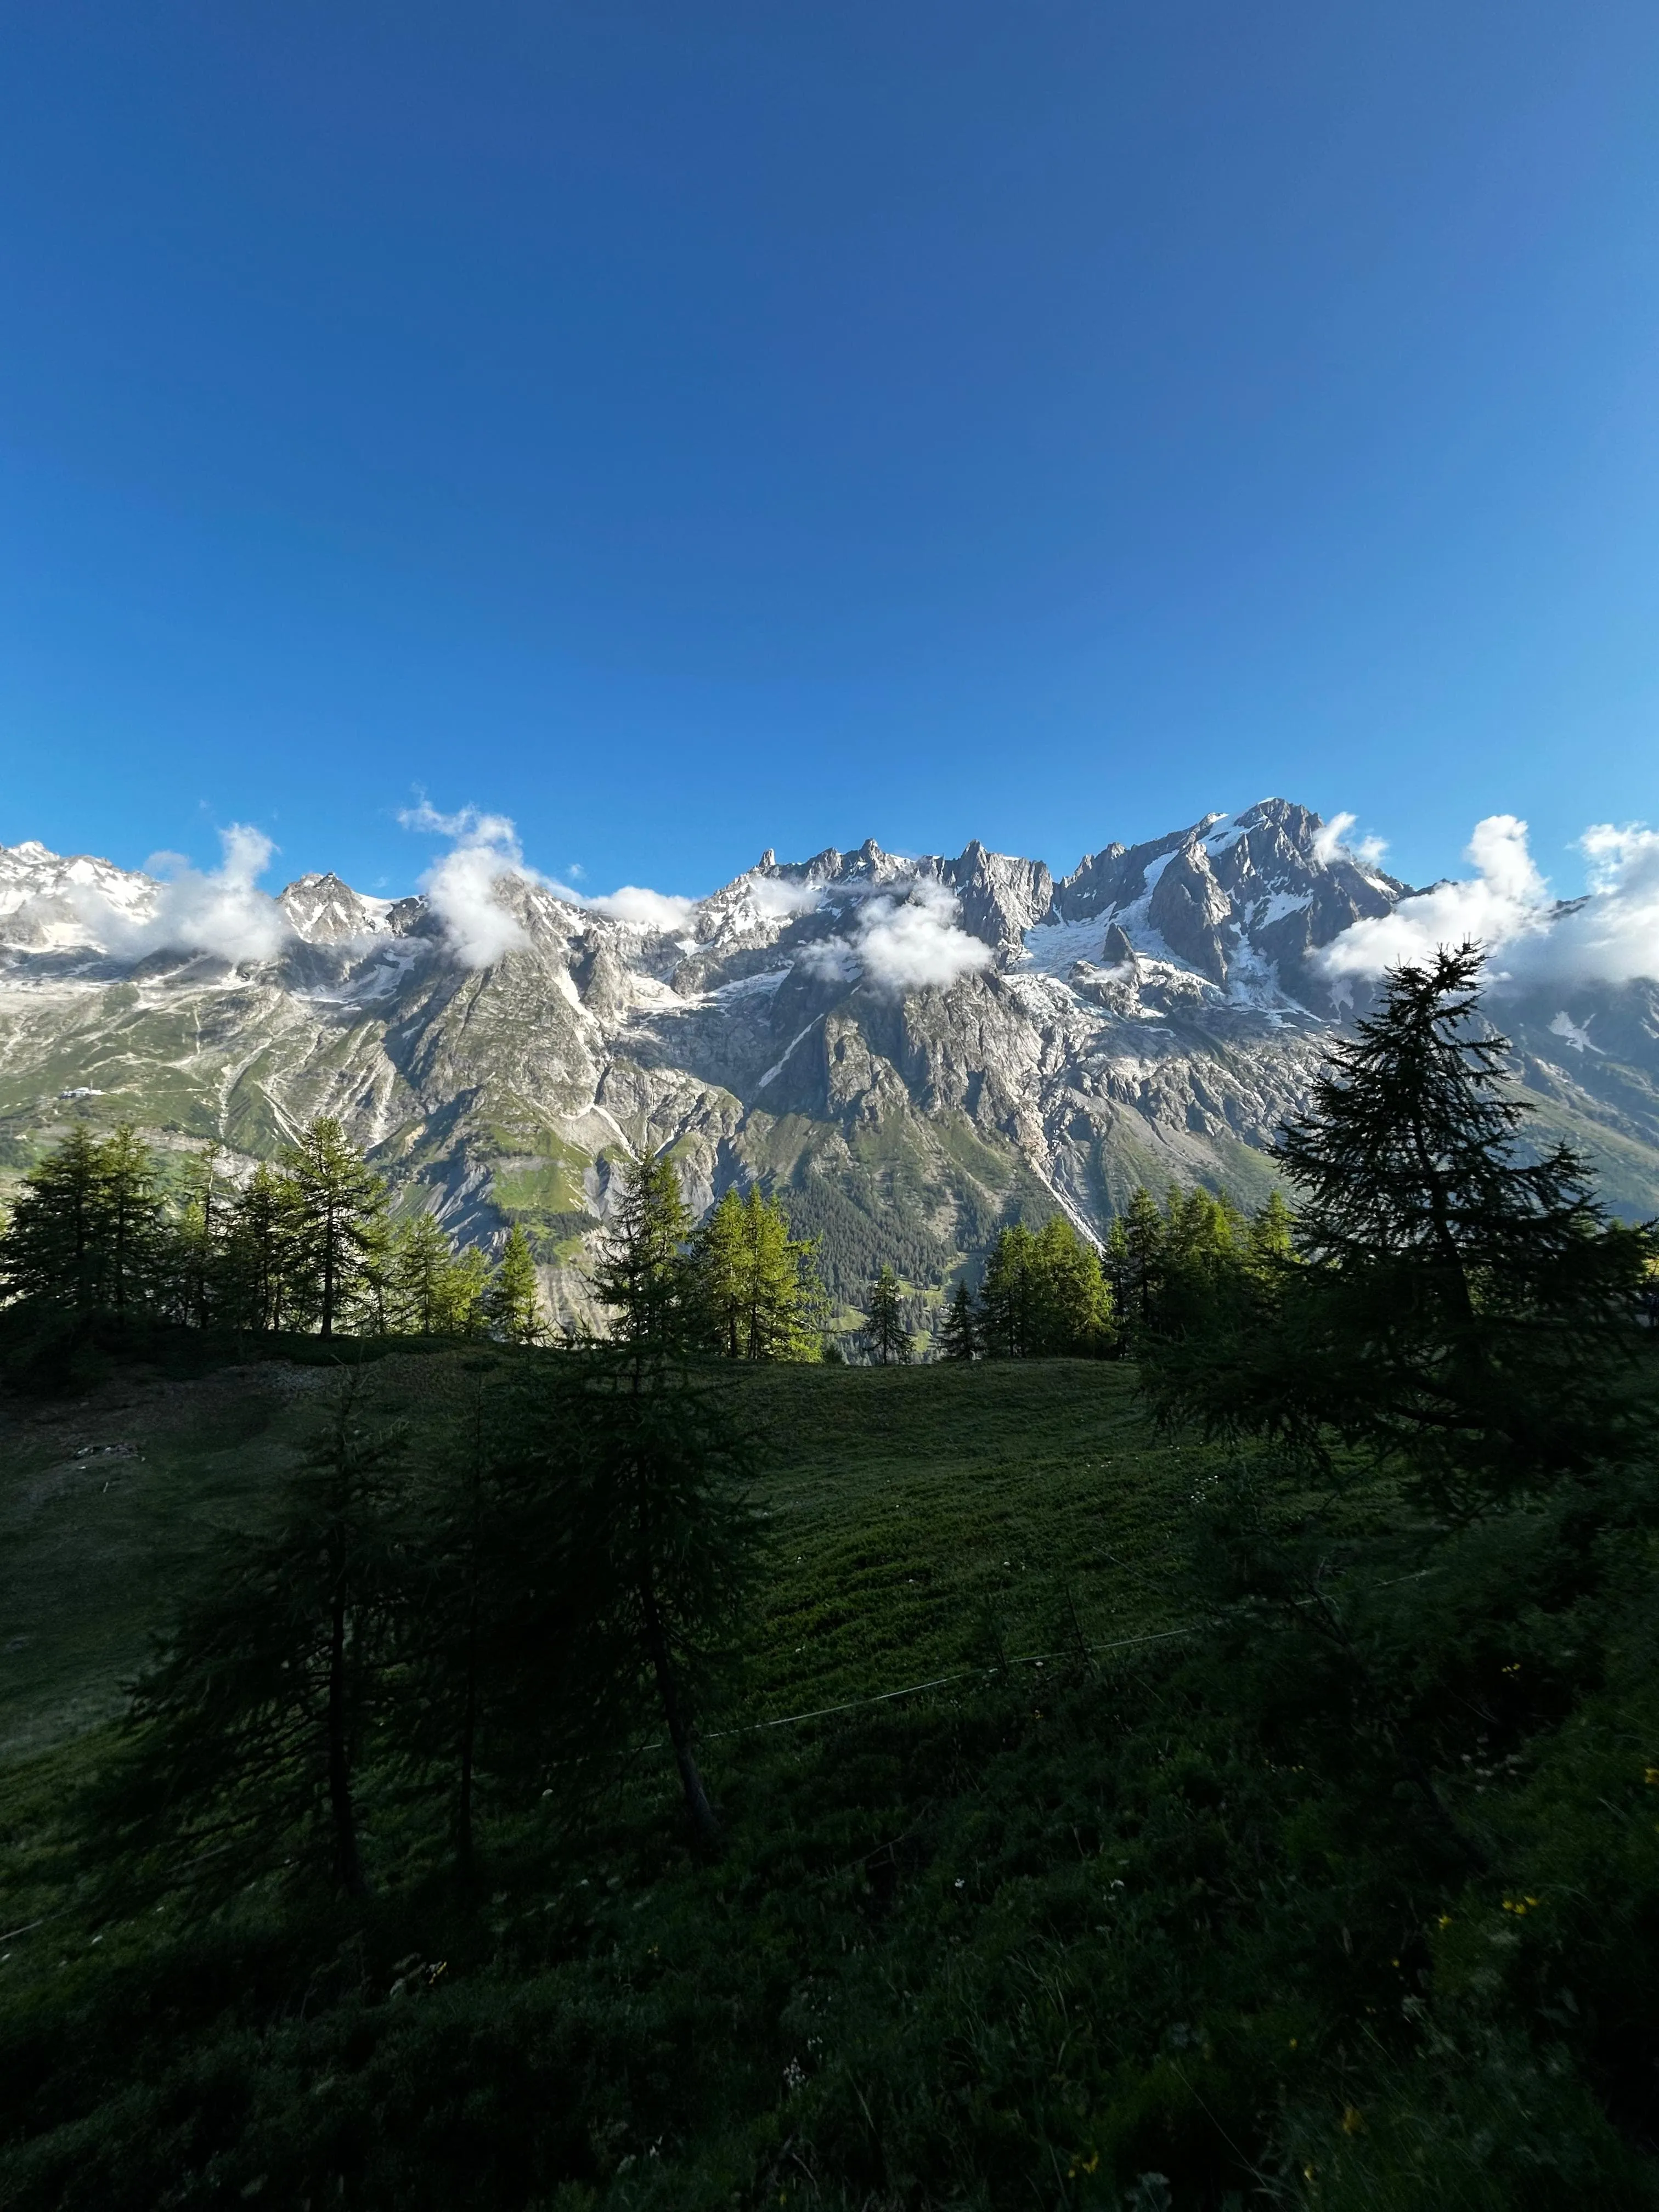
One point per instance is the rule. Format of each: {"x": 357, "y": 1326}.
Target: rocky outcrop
{"x": 1158, "y": 1013}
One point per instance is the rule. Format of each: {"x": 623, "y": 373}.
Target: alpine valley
{"x": 910, "y": 1051}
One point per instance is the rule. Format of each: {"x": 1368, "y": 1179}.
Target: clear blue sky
{"x": 691, "y": 428}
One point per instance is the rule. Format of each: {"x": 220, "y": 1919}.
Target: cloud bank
{"x": 462, "y": 887}
{"x": 1332, "y": 844}
{"x": 223, "y": 912}
{"x": 633, "y": 903}
{"x": 1610, "y": 936}
{"x": 909, "y": 943}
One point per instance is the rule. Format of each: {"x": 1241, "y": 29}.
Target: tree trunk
{"x": 328, "y": 1273}
{"x": 697, "y": 1797}
{"x": 347, "y": 1863}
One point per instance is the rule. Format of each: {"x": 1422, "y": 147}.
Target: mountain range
{"x": 910, "y": 1050}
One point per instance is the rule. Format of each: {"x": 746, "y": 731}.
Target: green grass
{"x": 915, "y": 1515}
{"x": 1160, "y": 1924}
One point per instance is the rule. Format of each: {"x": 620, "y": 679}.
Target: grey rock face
{"x": 1157, "y": 1014}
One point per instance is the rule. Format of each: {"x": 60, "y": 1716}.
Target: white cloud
{"x": 633, "y": 903}
{"x": 1332, "y": 844}
{"x": 905, "y": 944}
{"x": 461, "y": 887}
{"x": 774, "y": 898}
{"x": 1611, "y": 936}
{"x": 464, "y": 887}
{"x": 223, "y": 912}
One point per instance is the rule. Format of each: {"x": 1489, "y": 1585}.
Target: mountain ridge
{"x": 912, "y": 1049}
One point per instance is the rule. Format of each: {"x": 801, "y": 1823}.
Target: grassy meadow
{"x": 1118, "y": 1904}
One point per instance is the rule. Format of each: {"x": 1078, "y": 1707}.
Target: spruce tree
{"x": 959, "y": 1337}
{"x": 718, "y": 1290}
{"x": 649, "y": 1486}
{"x": 132, "y": 1222}
{"x": 247, "y": 1735}
{"x": 512, "y": 1305}
{"x": 1070, "y": 1306}
{"x": 466, "y": 1290}
{"x": 752, "y": 1288}
{"x": 54, "y": 1255}
{"x": 337, "y": 1208}
{"x": 1134, "y": 1252}
{"x": 1007, "y": 1296}
{"x": 260, "y": 1251}
{"x": 201, "y": 1240}
{"x": 1457, "y": 1305}
{"x": 642, "y": 1272}
{"x": 884, "y": 1335}
{"x": 1271, "y": 1237}
{"x": 421, "y": 1261}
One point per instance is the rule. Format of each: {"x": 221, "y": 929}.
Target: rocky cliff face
{"x": 911, "y": 1050}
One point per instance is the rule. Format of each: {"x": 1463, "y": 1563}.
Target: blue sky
{"x": 688, "y": 429}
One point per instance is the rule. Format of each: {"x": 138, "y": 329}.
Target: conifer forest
{"x": 1160, "y": 1723}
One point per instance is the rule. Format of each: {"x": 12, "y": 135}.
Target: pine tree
{"x": 260, "y": 1251}
{"x": 1134, "y": 1250}
{"x": 883, "y": 1335}
{"x": 1460, "y": 1310}
{"x": 466, "y": 1288}
{"x": 1069, "y": 1305}
{"x": 131, "y": 1220}
{"x": 247, "y": 1735}
{"x": 751, "y": 1288}
{"x": 1271, "y": 1238}
{"x": 421, "y": 1261}
{"x": 1006, "y": 1300}
{"x": 959, "y": 1338}
{"x": 663, "y": 1540}
{"x": 643, "y": 1274}
{"x": 338, "y": 1205}
{"x": 201, "y": 1239}
{"x": 87, "y": 1233}
{"x": 54, "y": 1255}
{"x": 513, "y": 1304}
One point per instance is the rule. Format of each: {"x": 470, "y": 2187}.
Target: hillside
{"x": 912, "y": 1049}
{"x": 903, "y": 1501}
{"x": 1121, "y": 1905}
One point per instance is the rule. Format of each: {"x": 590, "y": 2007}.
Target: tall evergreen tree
{"x": 959, "y": 1337}
{"x": 260, "y": 1251}
{"x": 337, "y": 1209}
{"x": 512, "y": 1303}
{"x": 421, "y": 1261}
{"x": 1456, "y": 1306}
{"x": 53, "y": 1253}
{"x": 247, "y": 1734}
{"x": 1007, "y": 1296}
{"x": 752, "y": 1287}
{"x": 201, "y": 1240}
{"x": 1271, "y": 1238}
{"x": 87, "y": 1233}
{"x": 642, "y": 1274}
{"x": 1134, "y": 1256}
{"x": 1069, "y": 1305}
{"x": 665, "y": 1540}
{"x": 884, "y": 1336}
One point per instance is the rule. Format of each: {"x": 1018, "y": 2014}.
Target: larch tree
{"x": 1459, "y": 1305}
{"x": 246, "y": 1736}
{"x": 512, "y": 1303}
{"x": 337, "y": 1213}
{"x": 884, "y": 1335}
{"x": 53, "y": 1253}
{"x": 642, "y": 1276}
{"x": 959, "y": 1337}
